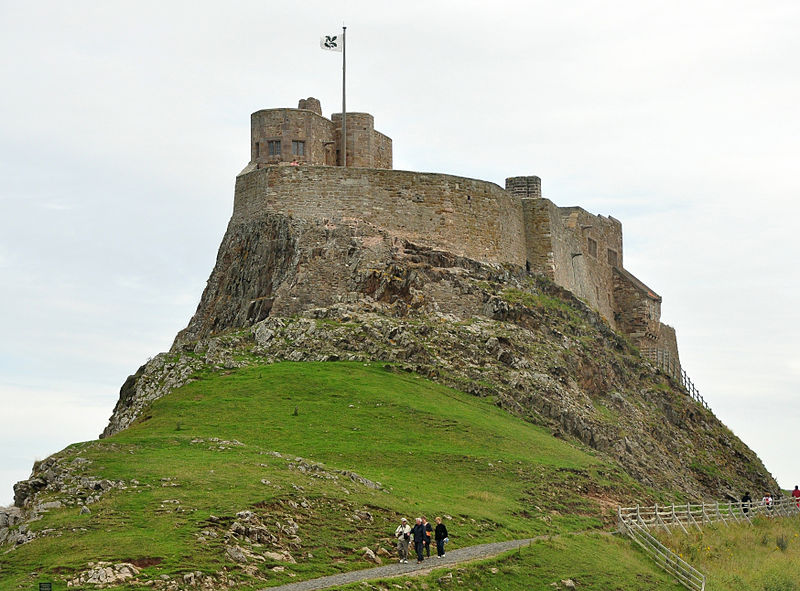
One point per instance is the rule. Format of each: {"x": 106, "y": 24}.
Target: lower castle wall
{"x": 471, "y": 218}
{"x": 557, "y": 246}
{"x": 668, "y": 341}
{"x": 638, "y": 310}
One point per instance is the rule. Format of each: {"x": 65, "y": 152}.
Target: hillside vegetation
{"x": 240, "y": 472}
{"x": 764, "y": 556}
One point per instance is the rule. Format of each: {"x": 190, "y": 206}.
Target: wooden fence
{"x": 638, "y": 522}
{"x": 664, "y": 362}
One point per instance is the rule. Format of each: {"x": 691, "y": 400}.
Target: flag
{"x": 331, "y": 42}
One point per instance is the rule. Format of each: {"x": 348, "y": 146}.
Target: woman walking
{"x": 440, "y": 534}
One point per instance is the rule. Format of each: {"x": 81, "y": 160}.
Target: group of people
{"x": 767, "y": 500}
{"x": 421, "y": 536}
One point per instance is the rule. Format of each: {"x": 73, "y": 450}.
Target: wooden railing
{"x": 663, "y": 361}
{"x": 638, "y": 522}
{"x": 689, "y": 576}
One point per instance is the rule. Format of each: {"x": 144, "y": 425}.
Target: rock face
{"x": 289, "y": 289}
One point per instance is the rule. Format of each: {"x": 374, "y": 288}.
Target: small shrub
{"x": 776, "y": 581}
{"x": 782, "y": 542}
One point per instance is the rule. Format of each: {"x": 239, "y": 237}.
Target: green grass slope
{"x": 249, "y": 440}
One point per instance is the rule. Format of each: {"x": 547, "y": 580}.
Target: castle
{"x": 515, "y": 225}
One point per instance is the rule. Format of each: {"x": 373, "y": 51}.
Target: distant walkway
{"x": 411, "y": 568}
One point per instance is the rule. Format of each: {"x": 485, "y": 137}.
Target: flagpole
{"x": 344, "y": 103}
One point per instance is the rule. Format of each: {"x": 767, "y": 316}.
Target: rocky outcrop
{"x": 278, "y": 265}
{"x": 153, "y": 380}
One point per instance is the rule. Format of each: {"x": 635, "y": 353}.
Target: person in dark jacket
{"x": 420, "y": 535}
{"x": 428, "y": 530}
{"x": 746, "y": 500}
{"x": 440, "y": 535}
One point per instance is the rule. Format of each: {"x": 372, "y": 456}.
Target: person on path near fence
{"x": 746, "y": 500}
{"x": 428, "y": 530}
{"x": 796, "y": 495}
{"x": 441, "y": 537}
{"x": 767, "y": 501}
{"x": 419, "y": 534}
{"x": 403, "y": 535}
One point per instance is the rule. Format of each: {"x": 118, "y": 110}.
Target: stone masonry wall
{"x": 539, "y": 216}
{"x": 586, "y": 248}
{"x": 668, "y": 341}
{"x": 467, "y": 217}
{"x": 637, "y": 310}
{"x": 366, "y": 148}
{"x": 285, "y": 125}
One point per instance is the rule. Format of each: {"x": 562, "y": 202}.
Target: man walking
{"x": 403, "y": 535}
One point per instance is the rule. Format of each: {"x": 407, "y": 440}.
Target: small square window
{"x": 612, "y": 257}
{"x": 298, "y": 148}
{"x": 592, "y": 245}
{"x": 274, "y": 147}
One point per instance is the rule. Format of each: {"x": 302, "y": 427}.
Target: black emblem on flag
{"x": 331, "y": 42}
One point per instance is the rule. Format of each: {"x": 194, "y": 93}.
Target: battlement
{"x": 284, "y": 135}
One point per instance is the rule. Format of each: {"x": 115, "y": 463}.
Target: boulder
{"x": 369, "y": 556}
{"x": 236, "y": 553}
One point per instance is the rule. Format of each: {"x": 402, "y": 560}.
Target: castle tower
{"x": 281, "y": 136}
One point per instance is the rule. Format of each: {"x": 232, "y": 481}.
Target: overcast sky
{"x": 123, "y": 125}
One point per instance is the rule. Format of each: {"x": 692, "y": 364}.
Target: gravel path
{"x": 411, "y": 568}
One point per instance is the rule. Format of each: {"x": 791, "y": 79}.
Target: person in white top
{"x": 403, "y": 535}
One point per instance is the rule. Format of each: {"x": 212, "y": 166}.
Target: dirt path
{"x": 411, "y": 568}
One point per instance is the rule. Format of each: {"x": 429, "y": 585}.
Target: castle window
{"x": 298, "y": 148}
{"x": 274, "y": 147}
{"x": 612, "y": 257}
{"x": 592, "y": 245}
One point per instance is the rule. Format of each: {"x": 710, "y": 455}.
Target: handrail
{"x": 663, "y": 361}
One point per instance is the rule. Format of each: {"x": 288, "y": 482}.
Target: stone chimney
{"x": 524, "y": 187}
{"x": 310, "y": 104}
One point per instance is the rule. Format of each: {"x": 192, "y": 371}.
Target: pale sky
{"x": 124, "y": 124}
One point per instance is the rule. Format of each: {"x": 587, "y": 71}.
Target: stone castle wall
{"x": 638, "y": 309}
{"x": 576, "y": 249}
{"x": 470, "y": 218}
{"x": 579, "y": 251}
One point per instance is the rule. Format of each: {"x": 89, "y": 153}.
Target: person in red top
{"x": 796, "y": 495}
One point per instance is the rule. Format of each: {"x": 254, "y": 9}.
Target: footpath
{"x": 411, "y": 568}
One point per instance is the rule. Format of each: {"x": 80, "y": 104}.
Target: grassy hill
{"x": 300, "y": 465}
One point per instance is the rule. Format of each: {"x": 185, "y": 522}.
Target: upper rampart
{"x": 470, "y": 218}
